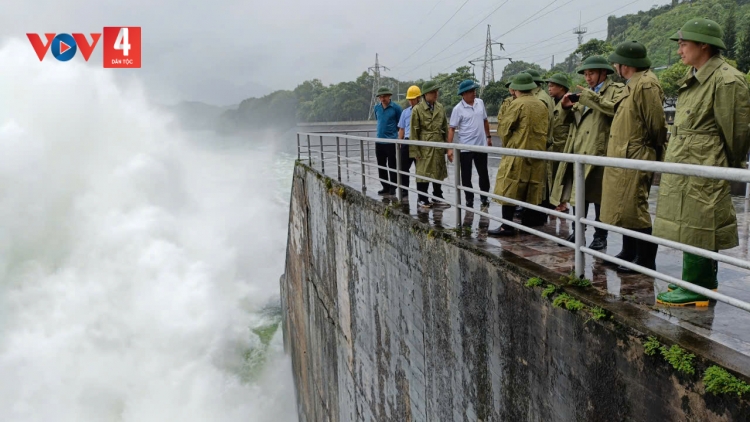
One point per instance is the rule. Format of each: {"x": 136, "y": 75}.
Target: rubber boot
{"x": 645, "y": 254}
{"x": 688, "y": 264}
{"x": 696, "y": 270}
{"x": 628, "y": 251}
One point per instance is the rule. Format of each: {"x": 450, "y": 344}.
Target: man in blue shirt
{"x": 387, "y": 113}
{"x": 404, "y": 126}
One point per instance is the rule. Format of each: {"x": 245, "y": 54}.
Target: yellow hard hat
{"x": 413, "y": 92}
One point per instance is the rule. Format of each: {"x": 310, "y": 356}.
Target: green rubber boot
{"x": 696, "y": 270}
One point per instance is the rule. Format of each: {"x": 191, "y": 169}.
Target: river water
{"x": 139, "y": 264}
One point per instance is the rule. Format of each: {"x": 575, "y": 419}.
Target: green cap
{"x": 701, "y": 30}
{"x": 430, "y": 86}
{"x": 383, "y": 91}
{"x": 631, "y": 53}
{"x": 467, "y": 85}
{"x": 534, "y": 74}
{"x": 595, "y": 62}
{"x": 523, "y": 82}
{"x": 507, "y": 84}
{"x": 560, "y": 79}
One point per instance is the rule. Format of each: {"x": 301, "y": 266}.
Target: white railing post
{"x": 298, "y": 148}
{"x": 580, "y": 212}
{"x": 346, "y": 148}
{"x": 362, "y": 163}
{"x": 398, "y": 172}
{"x": 457, "y": 184}
{"x": 309, "y": 151}
{"x": 338, "y": 157}
{"x": 322, "y": 157}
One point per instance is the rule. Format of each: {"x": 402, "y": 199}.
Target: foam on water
{"x": 134, "y": 262}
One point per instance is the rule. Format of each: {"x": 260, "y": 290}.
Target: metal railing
{"x": 579, "y": 218}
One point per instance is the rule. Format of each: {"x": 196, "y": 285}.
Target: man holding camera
{"x": 590, "y": 114}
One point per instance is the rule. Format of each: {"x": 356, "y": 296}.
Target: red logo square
{"x": 122, "y": 47}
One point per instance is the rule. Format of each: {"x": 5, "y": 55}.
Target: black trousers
{"x": 437, "y": 190}
{"x": 598, "y": 233}
{"x": 406, "y": 163}
{"x": 479, "y": 159}
{"x": 386, "y": 156}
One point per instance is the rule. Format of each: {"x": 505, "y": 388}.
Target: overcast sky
{"x": 222, "y": 51}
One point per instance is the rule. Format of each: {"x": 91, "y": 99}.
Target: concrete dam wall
{"x": 386, "y": 319}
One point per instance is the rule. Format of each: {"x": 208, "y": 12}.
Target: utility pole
{"x": 375, "y": 82}
{"x": 488, "y": 67}
{"x": 580, "y": 31}
{"x": 553, "y": 62}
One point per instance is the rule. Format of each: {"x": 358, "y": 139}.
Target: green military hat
{"x": 534, "y": 74}
{"x": 560, "y": 79}
{"x": 701, "y": 30}
{"x": 430, "y": 86}
{"x": 507, "y": 84}
{"x": 467, "y": 85}
{"x": 523, "y": 82}
{"x": 595, "y": 62}
{"x": 383, "y": 91}
{"x": 631, "y": 53}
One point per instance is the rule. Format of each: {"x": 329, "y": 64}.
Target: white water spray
{"x": 133, "y": 263}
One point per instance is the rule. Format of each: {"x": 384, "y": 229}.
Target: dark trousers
{"x": 406, "y": 163}
{"x": 437, "y": 190}
{"x": 386, "y": 156}
{"x": 598, "y": 233}
{"x": 509, "y": 211}
{"x": 479, "y": 159}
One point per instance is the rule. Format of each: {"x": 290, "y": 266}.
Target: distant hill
{"x": 654, "y": 27}
{"x": 198, "y": 115}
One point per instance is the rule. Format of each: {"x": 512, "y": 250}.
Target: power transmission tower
{"x": 580, "y": 30}
{"x": 375, "y": 82}
{"x": 488, "y": 67}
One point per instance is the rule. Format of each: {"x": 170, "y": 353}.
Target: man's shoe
{"x": 571, "y": 238}
{"x": 502, "y": 231}
{"x": 598, "y": 244}
{"x": 682, "y": 297}
{"x": 384, "y": 191}
{"x": 469, "y": 205}
{"x": 424, "y": 204}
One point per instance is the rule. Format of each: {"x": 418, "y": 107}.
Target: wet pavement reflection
{"x": 719, "y": 322}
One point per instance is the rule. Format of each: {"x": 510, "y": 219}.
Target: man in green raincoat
{"x": 428, "y": 123}
{"x": 523, "y": 125}
{"x": 639, "y": 131}
{"x": 590, "y": 120}
{"x": 710, "y": 128}
{"x": 539, "y": 91}
{"x": 558, "y": 85}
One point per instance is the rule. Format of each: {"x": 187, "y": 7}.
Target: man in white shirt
{"x": 469, "y": 118}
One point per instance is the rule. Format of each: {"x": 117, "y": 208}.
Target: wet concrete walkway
{"x": 719, "y": 322}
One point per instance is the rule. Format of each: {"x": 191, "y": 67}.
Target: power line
{"x": 459, "y": 38}
{"x": 517, "y": 26}
{"x": 433, "y": 35}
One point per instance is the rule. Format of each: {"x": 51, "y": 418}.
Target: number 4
{"x": 121, "y": 43}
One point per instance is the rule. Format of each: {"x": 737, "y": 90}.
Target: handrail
{"x": 579, "y": 219}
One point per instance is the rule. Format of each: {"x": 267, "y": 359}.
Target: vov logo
{"x": 122, "y": 46}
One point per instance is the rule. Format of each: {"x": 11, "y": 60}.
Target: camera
{"x": 574, "y": 97}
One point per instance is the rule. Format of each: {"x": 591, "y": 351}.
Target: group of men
{"x": 608, "y": 118}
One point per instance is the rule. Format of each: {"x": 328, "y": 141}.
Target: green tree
{"x": 743, "y": 50}
{"x": 670, "y": 79}
{"x": 516, "y": 67}
{"x": 730, "y": 33}
{"x": 594, "y": 47}
{"x": 493, "y": 95}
